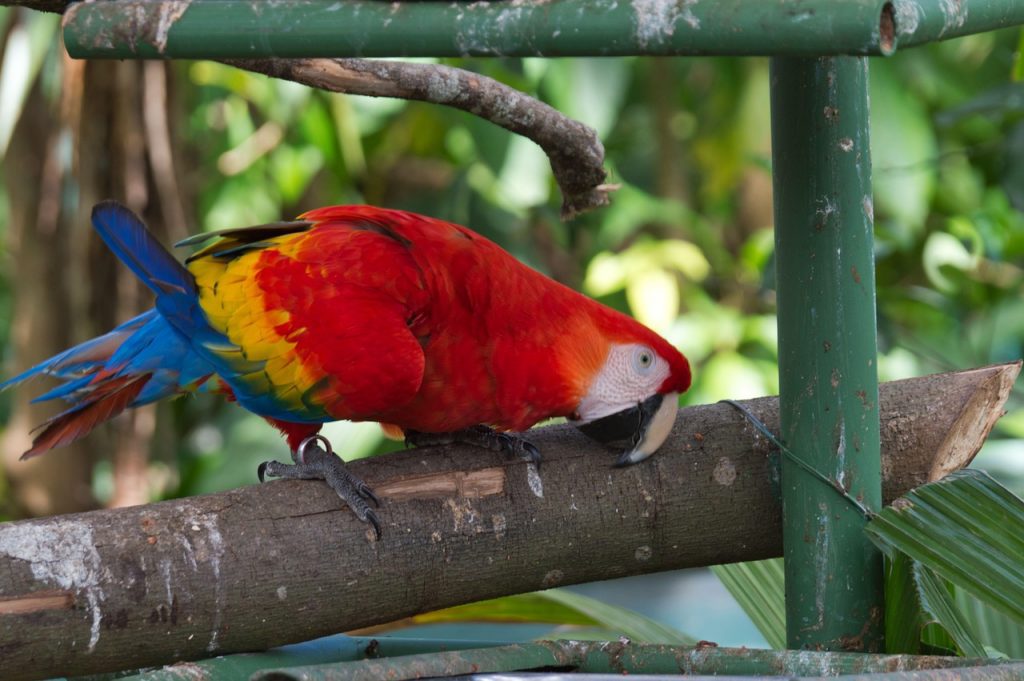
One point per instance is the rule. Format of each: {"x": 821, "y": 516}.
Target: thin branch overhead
{"x": 575, "y": 152}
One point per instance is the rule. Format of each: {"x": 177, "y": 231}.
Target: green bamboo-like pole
{"x": 623, "y": 659}
{"x": 322, "y": 28}
{"x": 329, "y": 650}
{"x": 828, "y": 379}
{"x": 227, "y": 29}
{"x": 916, "y": 22}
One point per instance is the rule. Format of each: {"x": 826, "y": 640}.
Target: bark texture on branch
{"x": 574, "y": 150}
{"x": 282, "y": 562}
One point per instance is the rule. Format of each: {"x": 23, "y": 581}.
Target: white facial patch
{"x": 632, "y": 372}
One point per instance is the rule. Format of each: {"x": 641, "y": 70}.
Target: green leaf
{"x": 732, "y": 374}
{"x": 942, "y": 250}
{"x": 937, "y": 600}
{"x": 1018, "y": 66}
{"x": 760, "y": 589}
{"x": 653, "y": 297}
{"x": 1013, "y": 172}
{"x": 967, "y": 528}
{"x": 903, "y": 148}
{"x": 1003, "y": 100}
{"x": 903, "y": 620}
{"x": 533, "y": 607}
{"x": 559, "y": 606}
{"x": 293, "y": 168}
{"x": 525, "y": 177}
{"x": 936, "y": 641}
{"x": 590, "y": 90}
{"x": 994, "y": 628}
{"x": 632, "y": 625}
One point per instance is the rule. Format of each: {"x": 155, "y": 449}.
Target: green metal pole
{"x": 923, "y": 21}
{"x": 329, "y": 650}
{"x": 239, "y": 29}
{"x": 621, "y": 659}
{"x": 821, "y": 161}
{"x": 221, "y": 29}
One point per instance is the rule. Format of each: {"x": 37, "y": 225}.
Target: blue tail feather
{"x": 147, "y": 358}
{"x": 65, "y": 391}
{"x": 75, "y": 362}
{"x": 147, "y": 344}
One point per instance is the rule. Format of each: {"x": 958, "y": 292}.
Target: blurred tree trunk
{"x": 42, "y": 320}
{"x": 109, "y": 136}
{"x": 671, "y": 157}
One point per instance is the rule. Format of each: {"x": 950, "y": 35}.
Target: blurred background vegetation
{"x": 686, "y": 246}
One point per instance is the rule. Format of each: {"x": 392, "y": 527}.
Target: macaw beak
{"x": 642, "y": 428}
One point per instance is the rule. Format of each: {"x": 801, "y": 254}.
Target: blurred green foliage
{"x": 686, "y": 245}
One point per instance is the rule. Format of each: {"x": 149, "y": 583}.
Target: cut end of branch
{"x": 598, "y": 197}
{"x": 985, "y": 406}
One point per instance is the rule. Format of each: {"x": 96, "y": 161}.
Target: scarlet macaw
{"x": 367, "y": 314}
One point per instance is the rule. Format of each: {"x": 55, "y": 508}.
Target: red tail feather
{"x": 294, "y": 433}
{"x": 108, "y": 399}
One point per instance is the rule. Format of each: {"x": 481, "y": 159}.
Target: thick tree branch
{"x": 266, "y": 565}
{"x": 575, "y": 152}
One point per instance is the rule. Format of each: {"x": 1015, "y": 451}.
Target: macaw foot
{"x": 315, "y": 460}
{"x": 479, "y": 436}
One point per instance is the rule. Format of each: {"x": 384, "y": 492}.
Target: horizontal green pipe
{"x": 220, "y": 29}
{"x": 924, "y": 21}
{"x": 620, "y": 659}
{"x": 322, "y": 651}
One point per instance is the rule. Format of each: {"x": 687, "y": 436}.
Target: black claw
{"x": 261, "y": 472}
{"x": 371, "y": 518}
{"x": 532, "y": 453}
{"x": 367, "y": 493}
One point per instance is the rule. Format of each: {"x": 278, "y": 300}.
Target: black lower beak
{"x": 624, "y": 428}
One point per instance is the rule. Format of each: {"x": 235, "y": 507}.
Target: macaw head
{"x": 632, "y": 399}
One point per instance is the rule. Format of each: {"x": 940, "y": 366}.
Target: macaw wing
{"x": 318, "y": 323}
{"x": 232, "y": 242}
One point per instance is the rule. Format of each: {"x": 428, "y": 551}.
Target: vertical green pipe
{"x": 821, "y": 162}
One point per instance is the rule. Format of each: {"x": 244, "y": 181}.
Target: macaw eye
{"x": 643, "y": 359}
